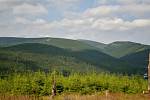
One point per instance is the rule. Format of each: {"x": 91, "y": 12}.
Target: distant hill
{"x": 58, "y": 42}
{"x": 116, "y": 49}
{"x": 120, "y": 48}
{"x": 97, "y": 45}
{"x": 85, "y": 59}
{"x": 19, "y": 54}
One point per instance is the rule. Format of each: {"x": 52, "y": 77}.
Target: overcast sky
{"x": 99, "y": 20}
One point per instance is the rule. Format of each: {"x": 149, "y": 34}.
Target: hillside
{"x": 139, "y": 59}
{"x": 95, "y": 44}
{"x": 58, "y": 42}
{"x": 118, "y": 49}
{"x": 19, "y": 60}
{"x": 72, "y": 55}
{"x": 46, "y": 55}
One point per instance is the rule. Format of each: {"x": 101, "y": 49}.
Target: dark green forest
{"x": 64, "y": 55}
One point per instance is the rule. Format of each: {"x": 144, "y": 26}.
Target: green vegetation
{"x": 26, "y": 66}
{"x": 116, "y": 49}
{"x": 139, "y": 59}
{"x": 35, "y": 56}
{"x": 120, "y": 49}
{"x": 19, "y": 61}
{"x": 57, "y": 42}
{"x": 40, "y": 83}
{"x": 20, "y": 54}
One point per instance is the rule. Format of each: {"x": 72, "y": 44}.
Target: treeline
{"x": 40, "y": 83}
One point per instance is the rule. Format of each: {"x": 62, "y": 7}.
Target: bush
{"x": 40, "y": 83}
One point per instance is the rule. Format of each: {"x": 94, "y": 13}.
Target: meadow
{"x": 40, "y": 83}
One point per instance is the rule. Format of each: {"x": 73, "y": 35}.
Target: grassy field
{"x": 110, "y": 96}
{"x": 40, "y": 83}
{"x": 76, "y": 86}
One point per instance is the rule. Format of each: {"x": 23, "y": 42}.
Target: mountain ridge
{"x": 113, "y": 57}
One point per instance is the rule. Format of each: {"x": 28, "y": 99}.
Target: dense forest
{"x": 47, "y": 54}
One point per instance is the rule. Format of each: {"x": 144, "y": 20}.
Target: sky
{"x": 98, "y": 20}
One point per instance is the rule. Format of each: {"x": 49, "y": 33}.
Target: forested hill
{"x": 58, "y": 42}
{"x": 65, "y": 55}
{"x": 118, "y": 49}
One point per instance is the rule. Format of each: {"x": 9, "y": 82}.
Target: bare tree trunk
{"x": 149, "y": 74}
{"x": 53, "y": 86}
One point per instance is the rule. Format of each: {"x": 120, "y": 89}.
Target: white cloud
{"x": 113, "y": 10}
{"x": 87, "y": 25}
{"x": 120, "y": 24}
{"x": 63, "y": 5}
{"x": 141, "y": 23}
{"x": 21, "y": 20}
{"x": 122, "y": 2}
{"x": 30, "y": 9}
{"x": 60, "y": 2}
{"x": 39, "y": 21}
{"x": 101, "y": 10}
{"x": 64, "y": 1}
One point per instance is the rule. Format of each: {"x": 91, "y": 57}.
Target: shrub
{"x": 40, "y": 83}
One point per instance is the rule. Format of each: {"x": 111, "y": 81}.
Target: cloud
{"x": 85, "y": 25}
{"x": 30, "y": 9}
{"x": 39, "y": 21}
{"x": 101, "y": 10}
{"x": 25, "y": 21}
{"x": 120, "y": 24}
{"x": 21, "y": 20}
{"x": 63, "y": 5}
{"x": 122, "y": 2}
{"x": 136, "y": 10}
{"x": 102, "y": 24}
{"x": 63, "y": 2}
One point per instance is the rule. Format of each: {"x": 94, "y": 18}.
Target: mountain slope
{"x": 139, "y": 59}
{"x": 97, "y": 45}
{"x": 120, "y": 49}
{"x": 90, "y": 58}
{"x": 116, "y": 49}
{"x": 58, "y": 42}
{"x": 77, "y": 55}
{"x": 19, "y": 60}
